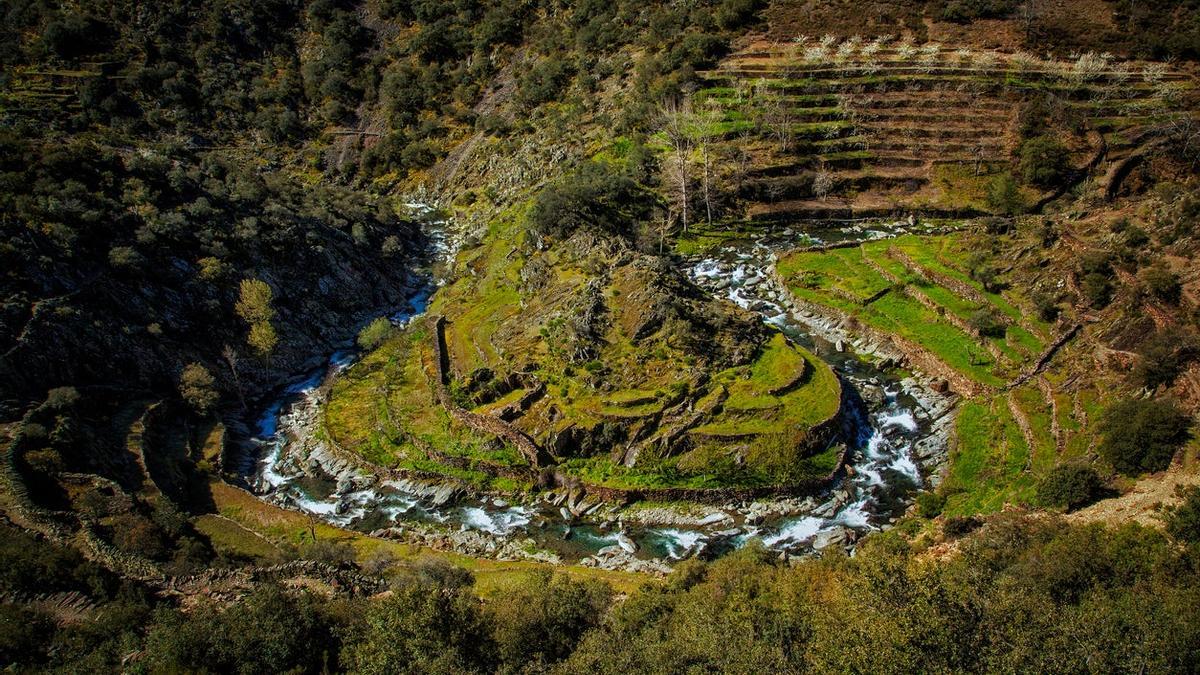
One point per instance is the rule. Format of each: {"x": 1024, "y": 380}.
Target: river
{"x": 886, "y": 419}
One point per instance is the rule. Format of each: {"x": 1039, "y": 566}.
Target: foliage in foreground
{"x": 1021, "y": 594}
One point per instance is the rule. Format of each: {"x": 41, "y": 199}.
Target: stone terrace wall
{"x": 482, "y": 423}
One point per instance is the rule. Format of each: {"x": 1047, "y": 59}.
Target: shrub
{"x": 1164, "y": 356}
{"x": 1142, "y": 435}
{"x": 373, "y": 334}
{"x": 959, "y": 526}
{"x": 1183, "y": 519}
{"x": 1047, "y": 307}
{"x": 593, "y": 195}
{"x": 543, "y": 618}
{"x": 421, "y": 628}
{"x": 1095, "y": 279}
{"x": 1162, "y": 283}
{"x": 1069, "y": 486}
{"x": 270, "y": 631}
{"x": 930, "y": 504}
{"x": 965, "y": 11}
{"x": 1004, "y": 196}
{"x": 1044, "y": 161}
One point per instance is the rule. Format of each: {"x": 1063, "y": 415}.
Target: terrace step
{"x": 841, "y": 210}
{"x": 981, "y": 121}
{"x": 940, "y": 133}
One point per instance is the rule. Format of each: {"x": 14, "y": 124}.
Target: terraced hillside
{"x": 596, "y": 363}
{"x": 838, "y": 129}
{"x": 1031, "y": 391}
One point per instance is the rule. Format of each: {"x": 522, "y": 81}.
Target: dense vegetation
{"x": 1019, "y": 595}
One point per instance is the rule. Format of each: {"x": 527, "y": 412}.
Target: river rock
{"x": 628, "y": 545}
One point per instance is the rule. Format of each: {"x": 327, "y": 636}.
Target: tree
{"x": 270, "y": 631}
{"x": 373, "y": 334}
{"x": 197, "y": 387}
{"x": 1162, "y": 283}
{"x": 263, "y": 339}
{"x": 1163, "y": 357}
{"x": 1142, "y": 435}
{"x": 1069, "y": 486}
{"x": 254, "y": 306}
{"x": 1183, "y": 519}
{"x": 1044, "y": 161}
{"x": 987, "y": 323}
{"x": 678, "y": 123}
{"x": 542, "y": 619}
{"x": 254, "y": 301}
{"x": 1004, "y": 196}
{"x": 422, "y": 628}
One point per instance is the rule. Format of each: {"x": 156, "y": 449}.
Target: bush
{"x": 422, "y": 628}
{"x": 1069, "y": 486}
{"x": 960, "y": 526}
{"x": 593, "y": 195}
{"x": 1162, "y": 284}
{"x": 373, "y": 334}
{"x": 987, "y": 323}
{"x": 1047, "y": 307}
{"x": 930, "y": 504}
{"x": 1004, "y": 196}
{"x": 1183, "y": 519}
{"x": 1142, "y": 435}
{"x": 1164, "y": 356}
{"x": 543, "y": 618}
{"x": 1044, "y": 162}
{"x": 1095, "y": 279}
{"x": 270, "y": 631}
{"x": 965, "y": 11}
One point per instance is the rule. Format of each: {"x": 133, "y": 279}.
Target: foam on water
{"x": 501, "y": 523}
{"x": 903, "y": 419}
{"x": 795, "y": 531}
{"x": 679, "y": 543}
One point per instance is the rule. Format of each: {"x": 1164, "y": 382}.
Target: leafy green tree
{"x": 263, "y": 338}
{"x": 543, "y": 617}
{"x": 422, "y": 628}
{"x": 1044, "y": 161}
{"x": 1162, "y": 283}
{"x": 198, "y": 388}
{"x": 593, "y": 195}
{"x": 987, "y": 323}
{"x": 373, "y": 334}
{"x": 254, "y": 301}
{"x": 1183, "y": 519}
{"x": 1142, "y": 435}
{"x": 270, "y": 631}
{"x": 1069, "y": 486}
{"x": 1004, "y": 196}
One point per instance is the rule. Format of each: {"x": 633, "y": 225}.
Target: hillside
{"x": 524, "y": 336}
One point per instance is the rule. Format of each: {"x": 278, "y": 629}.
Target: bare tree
{"x": 677, "y": 122}
{"x": 231, "y": 359}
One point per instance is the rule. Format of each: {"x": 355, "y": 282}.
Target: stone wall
{"x": 482, "y": 423}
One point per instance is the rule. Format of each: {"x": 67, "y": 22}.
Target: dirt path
{"x": 1142, "y": 504}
